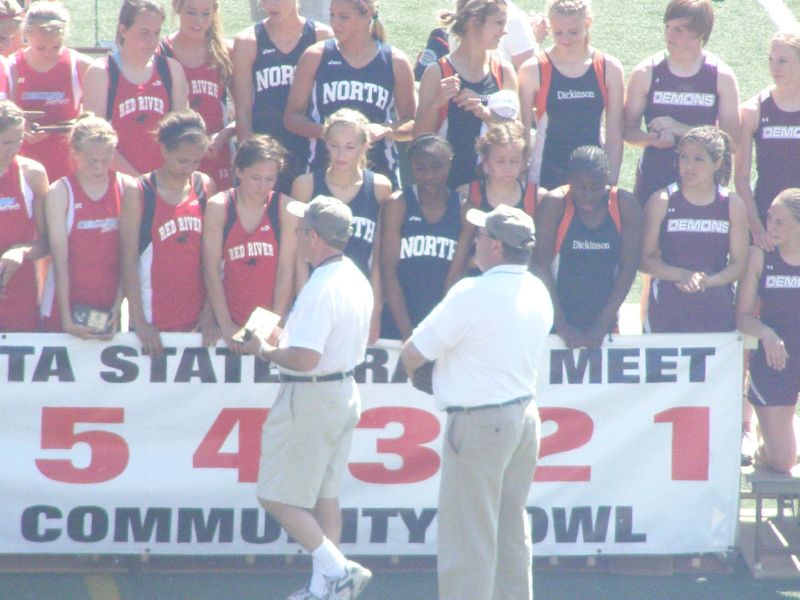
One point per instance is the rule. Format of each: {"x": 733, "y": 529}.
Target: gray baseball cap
{"x": 331, "y": 218}
{"x": 511, "y": 226}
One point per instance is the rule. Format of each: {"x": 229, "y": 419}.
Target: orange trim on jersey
{"x": 447, "y": 70}
{"x": 546, "y": 77}
{"x": 528, "y": 199}
{"x": 569, "y": 213}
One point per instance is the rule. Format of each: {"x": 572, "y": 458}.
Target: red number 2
{"x": 574, "y": 429}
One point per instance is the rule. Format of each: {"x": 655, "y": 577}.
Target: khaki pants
{"x": 484, "y": 541}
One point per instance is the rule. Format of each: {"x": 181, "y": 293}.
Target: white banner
{"x": 108, "y": 451}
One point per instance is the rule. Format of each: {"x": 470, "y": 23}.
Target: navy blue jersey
{"x": 462, "y": 128}
{"x": 426, "y": 252}
{"x": 369, "y": 90}
{"x": 364, "y": 207}
{"x": 585, "y": 269}
{"x": 273, "y": 73}
{"x": 574, "y": 115}
{"x": 438, "y": 45}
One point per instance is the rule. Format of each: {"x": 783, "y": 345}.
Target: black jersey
{"x": 777, "y": 143}
{"x": 369, "y": 90}
{"x": 426, "y": 253}
{"x": 573, "y": 118}
{"x": 779, "y": 295}
{"x": 585, "y": 269}
{"x": 364, "y": 207}
{"x": 273, "y": 73}
{"x": 462, "y": 128}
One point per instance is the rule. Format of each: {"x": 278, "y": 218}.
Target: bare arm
{"x": 411, "y": 358}
{"x": 614, "y": 112}
{"x": 635, "y": 104}
{"x": 434, "y": 92}
{"x": 13, "y": 257}
{"x": 654, "y": 214}
{"x": 630, "y": 253}
{"x": 743, "y": 163}
{"x": 461, "y": 257}
{"x": 180, "y": 88}
{"x": 294, "y": 116}
{"x": 548, "y": 217}
{"x": 738, "y": 242}
{"x": 528, "y": 86}
{"x": 747, "y": 320}
{"x": 213, "y": 225}
{"x": 130, "y": 219}
{"x": 393, "y": 216}
{"x": 244, "y": 54}
{"x": 728, "y": 112}
{"x": 287, "y": 260}
{"x": 404, "y": 97}
{"x": 302, "y": 188}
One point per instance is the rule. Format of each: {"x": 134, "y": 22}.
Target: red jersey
{"x": 170, "y": 249}
{"x": 58, "y": 93}
{"x": 19, "y": 309}
{"x": 93, "y": 250}
{"x": 250, "y": 261}
{"x": 207, "y": 96}
{"x": 135, "y": 113}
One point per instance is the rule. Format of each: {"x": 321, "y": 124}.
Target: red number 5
{"x": 108, "y": 451}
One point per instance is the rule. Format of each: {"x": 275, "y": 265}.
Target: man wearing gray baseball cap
{"x": 306, "y": 438}
{"x": 486, "y": 337}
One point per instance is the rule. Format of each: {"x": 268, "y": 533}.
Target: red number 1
{"x": 690, "y": 441}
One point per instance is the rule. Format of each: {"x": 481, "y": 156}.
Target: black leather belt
{"x": 338, "y": 376}
{"x": 466, "y": 409}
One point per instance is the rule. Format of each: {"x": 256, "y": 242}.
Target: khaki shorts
{"x": 305, "y": 442}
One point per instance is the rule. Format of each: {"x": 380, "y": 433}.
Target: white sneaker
{"x": 305, "y": 594}
{"x": 351, "y": 584}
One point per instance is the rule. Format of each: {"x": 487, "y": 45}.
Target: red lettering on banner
{"x": 419, "y": 462}
{"x": 109, "y": 452}
{"x": 690, "y": 441}
{"x": 574, "y": 429}
{"x": 209, "y": 454}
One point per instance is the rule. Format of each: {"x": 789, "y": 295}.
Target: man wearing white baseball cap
{"x": 486, "y": 337}
{"x": 306, "y": 438}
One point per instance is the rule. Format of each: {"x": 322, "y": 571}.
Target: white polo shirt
{"x": 486, "y": 336}
{"x": 331, "y": 316}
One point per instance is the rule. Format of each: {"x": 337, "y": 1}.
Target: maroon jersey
{"x": 779, "y": 295}
{"x": 207, "y": 96}
{"x": 250, "y": 260}
{"x": 690, "y": 100}
{"x": 57, "y": 92}
{"x": 696, "y": 238}
{"x": 135, "y": 112}
{"x": 19, "y": 309}
{"x": 777, "y": 142}
{"x": 93, "y": 251}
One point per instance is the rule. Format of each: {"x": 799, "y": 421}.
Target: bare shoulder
{"x": 383, "y": 187}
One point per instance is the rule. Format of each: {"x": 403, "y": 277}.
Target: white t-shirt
{"x": 519, "y": 36}
{"x": 331, "y": 316}
{"x": 486, "y": 336}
